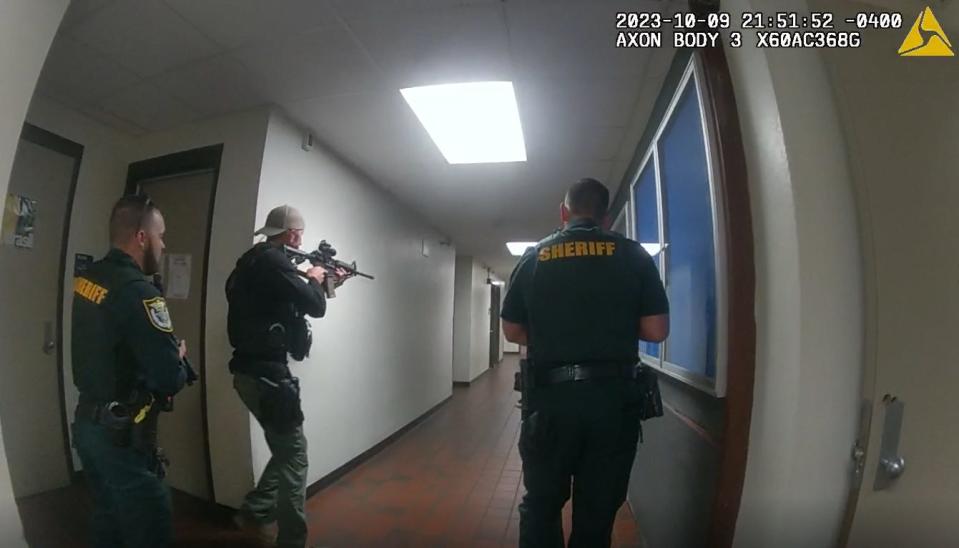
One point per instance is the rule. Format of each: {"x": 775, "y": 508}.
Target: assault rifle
{"x": 323, "y": 257}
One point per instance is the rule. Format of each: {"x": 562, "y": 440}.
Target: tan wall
{"x": 26, "y": 31}
{"x": 808, "y": 294}
{"x": 243, "y": 136}
{"x": 100, "y": 182}
{"x": 899, "y": 119}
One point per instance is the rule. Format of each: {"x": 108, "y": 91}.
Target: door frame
{"x": 495, "y": 307}
{"x": 52, "y": 141}
{"x": 182, "y": 163}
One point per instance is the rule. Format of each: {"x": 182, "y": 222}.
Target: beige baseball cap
{"x": 281, "y": 219}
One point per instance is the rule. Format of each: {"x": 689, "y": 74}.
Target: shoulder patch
{"x": 158, "y": 314}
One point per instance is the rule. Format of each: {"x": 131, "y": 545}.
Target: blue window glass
{"x": 690, "y": 257}
{"x": 647, "y": 226}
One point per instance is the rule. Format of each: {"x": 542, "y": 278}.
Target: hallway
{"x": 454, "y": 480}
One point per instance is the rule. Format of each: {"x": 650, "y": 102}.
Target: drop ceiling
{"x": 335, "y": 67}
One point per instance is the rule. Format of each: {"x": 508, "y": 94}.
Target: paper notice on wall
{"x": 178, "y": 276}
{"x": 19, "y": 218}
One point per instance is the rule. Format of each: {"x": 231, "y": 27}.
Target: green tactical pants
{"x": 280, "y": 495}
{"x": 582, "y": 433}
{"x": 131, "y": 503}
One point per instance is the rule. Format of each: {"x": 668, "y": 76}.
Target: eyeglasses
{"x": 144, "y": 205}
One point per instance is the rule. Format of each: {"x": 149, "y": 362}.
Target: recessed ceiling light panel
{"x": 518, "y": 248}
{"x": 471, "y": 123}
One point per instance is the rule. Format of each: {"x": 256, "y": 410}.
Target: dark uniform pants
{"x": 280, "y": 495}
{"x": 131, "y": 503}
{"x": 581, "y": 433}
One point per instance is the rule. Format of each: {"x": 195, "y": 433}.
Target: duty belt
{"x": 585, "y": 371}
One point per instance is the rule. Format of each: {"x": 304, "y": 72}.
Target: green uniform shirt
{"x": 580, "y": 293}
{"x": 122, "y": 333}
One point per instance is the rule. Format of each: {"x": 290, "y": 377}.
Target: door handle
{"x": 893, "y": 467}
{"x": 48, "y": 343}
{"x": 891, "y": 464}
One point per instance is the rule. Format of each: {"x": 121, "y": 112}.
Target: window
{"x": 675, "y": 218}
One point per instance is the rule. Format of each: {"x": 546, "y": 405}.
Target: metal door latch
{"x": 891, "y": 464}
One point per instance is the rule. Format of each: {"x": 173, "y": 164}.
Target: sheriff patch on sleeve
{"x": 158, "y": 314}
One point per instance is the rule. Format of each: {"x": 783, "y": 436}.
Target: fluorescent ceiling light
{"x": 652, "y": 248}
{"x": 471, "y": 123}
{"x": 518, "y": 248}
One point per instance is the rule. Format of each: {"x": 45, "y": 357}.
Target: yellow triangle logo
{"x": 926, "y": 39}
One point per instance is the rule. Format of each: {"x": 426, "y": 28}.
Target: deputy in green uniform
{"x": 580, "y": 300}
{"x": 126, "y": 363}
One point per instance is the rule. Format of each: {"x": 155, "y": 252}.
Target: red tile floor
{"x": 452, "y": 481}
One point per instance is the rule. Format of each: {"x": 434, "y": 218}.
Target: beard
{"x": 151, "y": 260}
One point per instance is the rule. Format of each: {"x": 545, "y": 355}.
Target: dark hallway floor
{"x": 452, "y": 481}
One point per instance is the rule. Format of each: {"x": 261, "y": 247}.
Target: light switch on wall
{"x": 426, "y": 248}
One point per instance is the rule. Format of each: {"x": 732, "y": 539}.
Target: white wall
{"x": 479, "y": 324}
{"x": 808, "y": 295}
{"x": 243, "y": 136}
{"x": 26, "y": 31}
{"x": 100, "y": 182}
{"x": 382, "y": 356}
{"x": 472, "y": 319}
{"x": 462, "y": 318}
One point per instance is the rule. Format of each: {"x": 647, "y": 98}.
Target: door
{"x": 32, "y": 259}
{"x": 494, "y": 330}
{"x": 898, "y": 116}
{"x": 185, "y": 202}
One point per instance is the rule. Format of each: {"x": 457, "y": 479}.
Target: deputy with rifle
{"x": 269, "y": 299}
{"x": 126, "y": 365}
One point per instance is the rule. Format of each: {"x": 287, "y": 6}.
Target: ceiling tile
{"x": 78, "y": 10}
{"x": 374, "y": 130}
{"x": 114, "y": 122}
{"x": 144, "y": 36}
{"x": 569, "y": 40}
{"x": 83, "y": 74}
{"x": 358, "y": 9}
{"x": 352, "y": 9}
{"x": 432, "y": 4}
{"x": 461, "y": 44}
{"x": 148, "y": 107}
{"x": 316, "y": 64}
{"x": 212, "y": 86}
{"x": 586, "y": 102}
{"x": 232, "y": 23}
{"x": 561, "y": 140}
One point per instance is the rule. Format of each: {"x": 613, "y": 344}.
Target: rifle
{"x": 323, "y": 257}
{"x": 191, "y": 374}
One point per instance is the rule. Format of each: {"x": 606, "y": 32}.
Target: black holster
{"x": 525, "y": 384}
{"x": 647, "y": 386}
{"x": 300, "y": 338}
{"x": 280, "y": 404}
{"x": 115, "y": 417}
